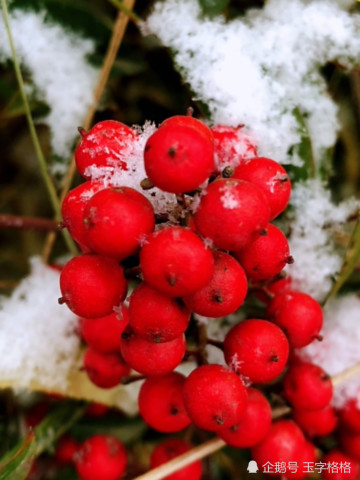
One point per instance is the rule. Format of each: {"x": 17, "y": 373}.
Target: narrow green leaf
{"x": 16, "y": 464}
{"x": 351, "y": 259}
{"x": 213, "y": 7}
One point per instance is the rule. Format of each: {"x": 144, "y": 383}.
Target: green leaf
{"x": 304, "y": 150}
{"x": 351, "y": 260}
{"x": 213, "y": 7}
{"x": 16, "y": 464}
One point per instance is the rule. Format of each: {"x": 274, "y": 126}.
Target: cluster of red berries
{"x": 198, "y": 259}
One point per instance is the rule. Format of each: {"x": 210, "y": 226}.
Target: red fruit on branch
{"x": 179, "y": 157}
{"x": 214, "y": 397}
{"x": 298, "y": 314}
{"x": 225, "y": 292}
{"x": 104, "y": 370}
{"x": 101, "y": 457}
{"x": 271, "y": 177}
{"x": 92, "y": 285}
{"x": 117, "y": 221}
{"x": 155, "y": 316}
{"x": 175, "y": 261}
{"x": 161, "y": 403}
{"x": 256, "y": 349}
{"x": 103, "y": 147}
{"x": 231, "y": 213}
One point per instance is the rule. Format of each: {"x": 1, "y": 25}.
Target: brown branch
{"x": 115, "y": 42}
{"x": 29, "y": 223}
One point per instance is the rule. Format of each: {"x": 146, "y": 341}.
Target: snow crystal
{"x": 339, "y": 349}
{"x": 229, "y": 200}
{"x": 257, "y": 69}
{"x": 37, "y": 336}
{"x": 134, "y": 153}
{"x": 314, "y": 222}
{"x": 56, "y": 60}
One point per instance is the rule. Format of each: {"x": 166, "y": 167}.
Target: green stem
{"x": 39, "y": 154}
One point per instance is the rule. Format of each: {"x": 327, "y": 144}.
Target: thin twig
{"x": 29, "y": 223}
{"x": 215, "y": 444}
{"x": 115, "y": 41}
{"x": 34, "y": 137}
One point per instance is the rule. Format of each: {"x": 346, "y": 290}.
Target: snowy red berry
{"x": 231, "y": 213}
{"x": 103, "y": 148}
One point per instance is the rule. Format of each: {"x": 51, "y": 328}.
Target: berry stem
{"x": 216, "y": 343}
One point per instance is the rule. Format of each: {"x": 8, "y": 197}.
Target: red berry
{"x": 92, "y": 285}
{"x": 104, "y": 146}
{"x": 225, "y": 292}
{"x": 316, "y": 423}
{"x": 271, "y": 177}
{"x": 161, "y": 403}
{"x": 66, "y": 449}
{"x": 266, "y": 256}
{"x": 284, "y": 442}
{"x": 214, "y": 397}
{"x": 151, "y": 358}
{"x": 256, "y": 349}
{"x": 176, "y": 261}
{"x": 298, "y": 314}
{"x": 301, "y": 470}
{"x": 349, "y": 415}
{"x": 254, "y": 424}
{"x": 231, "y": 213}
{"x": 155, "y": 316}
{"x": 96, "y": 410}
{"x": 105, "y": 370}
{"x": 117, "y": 220}
{"x": 72, "y": 211}
{"x": 101, "y": 457}
{"x": 190, "y": 122}
{"x": 178, "y": 158}
{"x": 307, "y": 386}
{"x": 232, "y": 146}
{"x": 103, "y": 333}
{"x": 339, "y": 466}
{"x": 172, "y": 448}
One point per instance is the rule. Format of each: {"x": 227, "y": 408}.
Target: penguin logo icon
{"x": 252, "y": 467}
